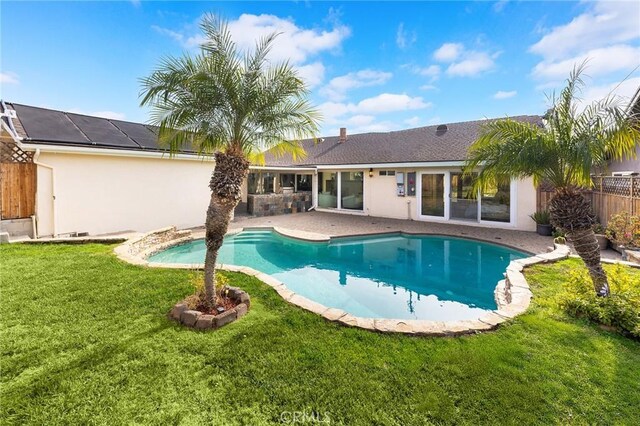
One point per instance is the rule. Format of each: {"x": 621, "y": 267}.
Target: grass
{"x": 85, "y": 340}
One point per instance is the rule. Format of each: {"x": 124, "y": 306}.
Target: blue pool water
{"x": 386, "y": 276}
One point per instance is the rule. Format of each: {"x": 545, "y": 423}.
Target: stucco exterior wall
{"x": 380, "y": 200}
{"x": 627, "y": 165}
{"x": 103, "y": 194}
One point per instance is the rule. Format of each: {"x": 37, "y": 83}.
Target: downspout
{"x": 53, "y": 192}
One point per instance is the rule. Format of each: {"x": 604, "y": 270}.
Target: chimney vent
{"x": 343, "y": 135}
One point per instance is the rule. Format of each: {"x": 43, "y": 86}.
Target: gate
{"x": 17, "y": 182}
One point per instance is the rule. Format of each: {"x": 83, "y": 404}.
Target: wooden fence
{"x": 17, "y": 182}
{"x": 610, "y": 195}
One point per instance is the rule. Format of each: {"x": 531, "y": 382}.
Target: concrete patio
{"x": 342, "y": 224}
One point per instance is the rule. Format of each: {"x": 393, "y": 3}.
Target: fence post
{"x": 631, "y": 197}
{"x": 605, "y": 220}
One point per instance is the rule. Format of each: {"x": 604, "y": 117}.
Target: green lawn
{"x": 85, "y": 340}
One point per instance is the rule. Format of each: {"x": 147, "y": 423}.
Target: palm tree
{"x": 234, "y": 105}
{"x": 563, "y": 152}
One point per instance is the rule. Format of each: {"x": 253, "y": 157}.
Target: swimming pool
{"x": 393, "y": 276}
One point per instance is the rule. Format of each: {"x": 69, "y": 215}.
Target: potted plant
{"x": 543, "y": 222}
{"x": 603, "y": 241}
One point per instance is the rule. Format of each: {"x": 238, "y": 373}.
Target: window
{"x": 303, "y": 182}
{"x": 351, "y": 190}
{"x": 260, "y": 183}
{"x": 286, "y": 180}
{"x": 495, "y": 204}
{"x": 382, "y": 173}
{"x": 464, "y": 203}
{"x": 411, "y": 184}
{"x": 327, "y": 190}
{"x": 386, "y": 173}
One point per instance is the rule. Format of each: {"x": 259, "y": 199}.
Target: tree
{"x": 234, "y": 105}
{"x": 564, "y": 151}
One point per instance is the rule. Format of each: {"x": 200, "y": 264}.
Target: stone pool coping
{"x": 512, "y": 294}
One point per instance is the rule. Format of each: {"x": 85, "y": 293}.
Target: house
{"x": 408, "y": 174}
{"x": 65, "y": 173}
{"x": 630, "y": 165}
{"x": 82, "y": 174}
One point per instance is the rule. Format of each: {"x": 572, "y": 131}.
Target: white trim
{"x": 446, "y": 191}
{"x": 342, "y": 211}
{"x": 513, "y": 197}
{"x": 53, "y": 195}
{"x": 406, "y": 165}
{"x": 513, "y": 210}
{"x": 279, "y": 168}
{"x": 59, "y": 149}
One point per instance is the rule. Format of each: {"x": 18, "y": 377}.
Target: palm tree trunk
{"x": 226, "y": 183}
{"x": 571, "y": 213}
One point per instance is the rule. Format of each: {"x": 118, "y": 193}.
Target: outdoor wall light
{"x": 371, "y": 172}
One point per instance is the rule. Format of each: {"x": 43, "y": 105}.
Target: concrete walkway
{"x": 334, "y": 224}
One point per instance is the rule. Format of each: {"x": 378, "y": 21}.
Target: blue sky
{"x": 371, "y": 66}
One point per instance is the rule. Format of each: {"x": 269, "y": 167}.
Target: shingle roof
{"x": 423, "y": 144}
{"x": 42, "y": 125}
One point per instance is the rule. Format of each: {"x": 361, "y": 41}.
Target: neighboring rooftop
{"x": 438, "y": 143}
{"x": 51, "y": 127}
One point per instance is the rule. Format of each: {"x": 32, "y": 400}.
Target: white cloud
{"x": 388, "y": 102}
{"x": 504, "y": 95}
{"x": 104, "y": 114}
{"x": 602, "y": 61}
{"x": 624, "y": 91}
{"x": 473, "y": 64}
{"x": 413, "y": 121}
{"x": 605, "y": 23}
{"x": 403, "y": 39}
{"x": 179, "y": 37}
{"x": 383, "y": 103}
{"x": 500, "y": 5}
{"x": 360, "y": 120}
{"x": 432, "y": 71}
{"x": 428, "y": 87}
{"x": 294, "y": 43}
{"x": 338, "y": 87}
{"x": 9, "y": 78}
{"x": 312, "y": 74}
{"x": 448, "y": 52}
{"x": 463, "y": 62}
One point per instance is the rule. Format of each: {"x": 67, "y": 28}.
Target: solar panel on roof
{"x": 140, "y": 133}
{"x": 101, "y": 132}
{"x": 49, "y": 125}
{"x": 145, "y": 135}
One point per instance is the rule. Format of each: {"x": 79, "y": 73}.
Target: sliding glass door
{"x": 351, "y": 190}
{"x": 432, "y": 195}
{"x": 341, "y": 190}
{"x": 464, "y": 202}
{"x": 327, "y": 190}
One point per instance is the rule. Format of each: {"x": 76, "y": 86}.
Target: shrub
{"x": 541, "y": 217}
{"x": 620, "y": 310}
{"x": 624, "y": 229}
{"x": 196, "y": 279}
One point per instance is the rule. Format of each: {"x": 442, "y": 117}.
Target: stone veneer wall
{"x": 137, "y": 249}
{"x": 277, "y": 204}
